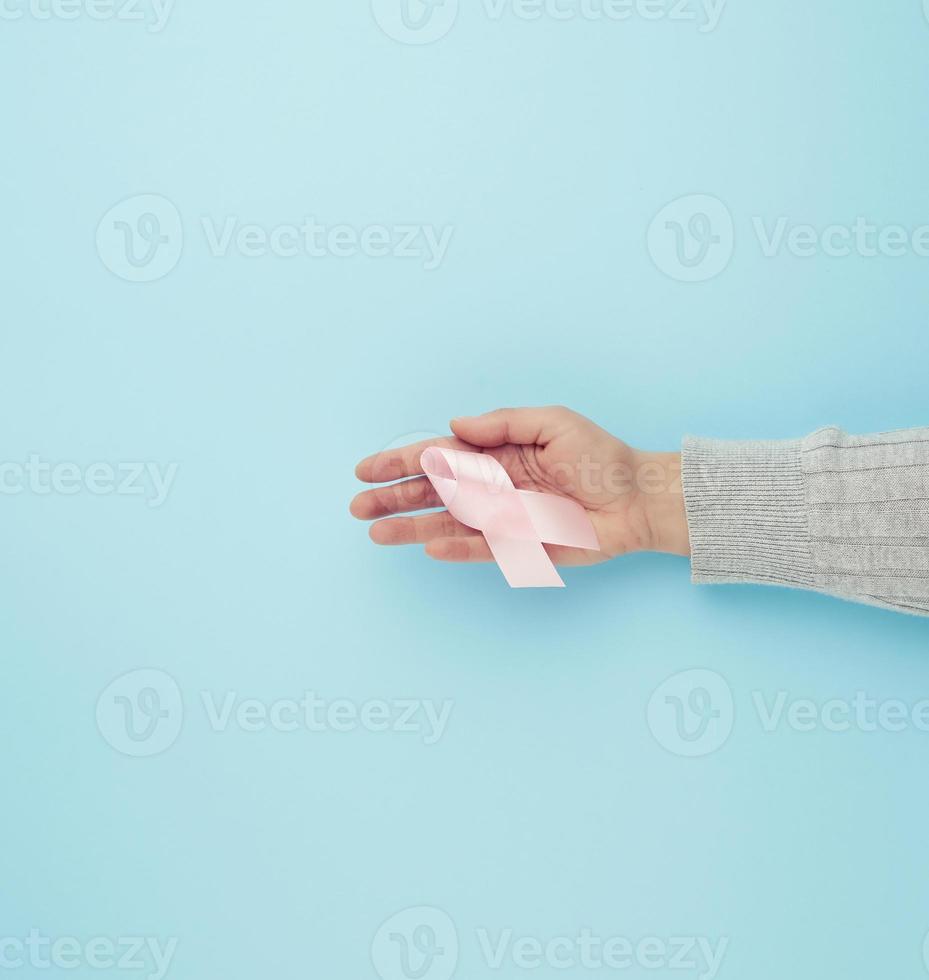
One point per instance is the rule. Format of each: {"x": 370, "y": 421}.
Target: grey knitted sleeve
{"x": 847, "y": 515}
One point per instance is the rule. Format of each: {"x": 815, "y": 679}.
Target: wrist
{"x": 658, "y": 481}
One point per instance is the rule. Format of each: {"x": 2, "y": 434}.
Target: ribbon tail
{"x": 525, "y": 564}
{"x": 558, "y": 520}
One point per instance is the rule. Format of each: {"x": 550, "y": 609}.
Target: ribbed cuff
{"x": 747, "y": 512}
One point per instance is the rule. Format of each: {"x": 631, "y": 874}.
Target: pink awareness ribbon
{"x": 477, "y": 491}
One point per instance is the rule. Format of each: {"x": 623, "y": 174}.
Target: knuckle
{"x": 399, "y": 530}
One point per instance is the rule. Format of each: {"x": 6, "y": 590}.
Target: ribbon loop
{"x": 479, "y": 493}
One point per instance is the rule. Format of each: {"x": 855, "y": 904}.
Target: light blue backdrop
{"x": 554, "y": 801}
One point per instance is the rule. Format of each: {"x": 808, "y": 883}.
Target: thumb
{"x": 520, "y": 426}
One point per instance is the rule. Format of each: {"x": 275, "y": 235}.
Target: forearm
{"x": 847, "y": 515}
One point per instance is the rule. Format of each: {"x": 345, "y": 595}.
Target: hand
{"x": 633, "y": 499}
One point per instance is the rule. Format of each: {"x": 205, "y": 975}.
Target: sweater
{"x": 846, "y": 515}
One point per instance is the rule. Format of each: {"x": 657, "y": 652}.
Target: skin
{"x": 633, "y": 498}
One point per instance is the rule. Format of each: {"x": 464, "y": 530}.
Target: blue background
{"x": 548, "y": 805}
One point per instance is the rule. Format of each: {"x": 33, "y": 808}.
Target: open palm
{"x": 549, "y": 450}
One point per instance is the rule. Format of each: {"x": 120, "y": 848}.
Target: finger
{"x": 418, "y": 530}
{"x": 398, "y": 498}
{"x": 521, "y": 426}
{"x": 459, "y": 549}
{"x": 475, "y": 549}
{"x": 395, "y": 464}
